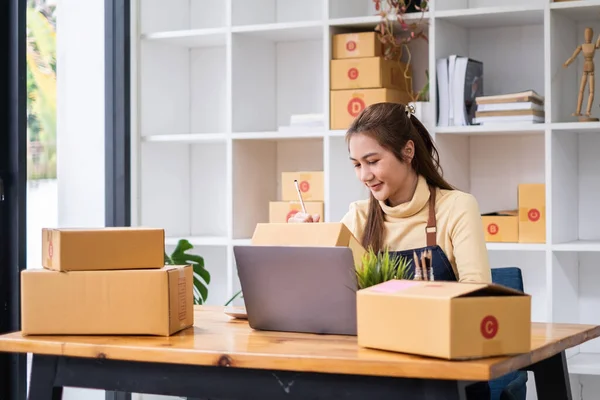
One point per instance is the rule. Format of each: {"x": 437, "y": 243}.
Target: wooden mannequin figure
{"x": 588, "y": 48}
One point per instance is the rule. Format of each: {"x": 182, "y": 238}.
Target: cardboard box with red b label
{"x": 532, "y": 213}
{"x": 310, "y": 183}
{"x": 345, "y": 105}
{"x": 449, "y": 320}
{"x": 501, "y": 226}
{"x": 356, "y": 45}
{"x": 369, "y": 72}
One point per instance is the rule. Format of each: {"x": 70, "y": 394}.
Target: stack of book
{"x": 522, "y": 107}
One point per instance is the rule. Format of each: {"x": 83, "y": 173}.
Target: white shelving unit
{"x": 213, "y": 81}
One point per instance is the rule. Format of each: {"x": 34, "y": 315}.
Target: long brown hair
{"x": 391, "y": 126}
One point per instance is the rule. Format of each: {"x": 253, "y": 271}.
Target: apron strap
{"x": 431, "y": 229}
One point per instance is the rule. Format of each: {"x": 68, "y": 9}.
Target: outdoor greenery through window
{"x": 41, "y": 89}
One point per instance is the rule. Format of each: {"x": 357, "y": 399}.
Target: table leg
{"x": 552, "y": 378}
{"x": 43, "y": 378}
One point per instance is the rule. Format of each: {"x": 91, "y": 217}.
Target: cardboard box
{"x": 89, "y": 249}
{"x": 449, "y": 320}
{"x": 355, "y": 45}
{"x": 322, "y": 234}
{"x": 368, "y": 73}
{"x": 311, "y": 185}
{"x": 282, "y": 211}
{"x": 121, "y": 302}
{"x": 532, "y": 213}
{"x": 347, "y": 104}
{"x": 501, "y": 226}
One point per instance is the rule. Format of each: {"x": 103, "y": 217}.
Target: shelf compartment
{"x": 256, "y": 12}
{"x": 575, "y": 189}
{"x": 577, "y": 11}
{"x": 498, "y": 129}
{"x": 485, "y": 6}
{"x": 531, "y": 264}
{"x": 189, "y": 38}
{"x": 492, "y": 246}
{"x": 566, "y": 35}
{"x": 575, "y": 291}
{"x": 493, "y": 17}
{"x": 344, "y": 186}
{"x": 257, "y": 176}
{"x": 181, "y": 15}
{"x": 584, "y": 364}
{"x": 198, "y": 240}
{"x": 521, "y": 45}
{"x": 492, "y": 167}
{"x": 275, "y": 79}
{"x": 183, "y": 188}
{"x": 182, "y": 90}
{"x": 215, "y": 261}
{"x": 578, "y": 245}
{"x": 362, "y": 9}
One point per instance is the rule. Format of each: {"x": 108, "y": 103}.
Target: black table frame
{"x": 50, "y": 374}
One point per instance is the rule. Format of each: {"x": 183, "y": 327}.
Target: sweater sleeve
{"x": 353, "y": 221}
{"x": 468, "y": 240}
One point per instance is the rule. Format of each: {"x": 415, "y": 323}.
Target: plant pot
{"x": 424, "y": 112}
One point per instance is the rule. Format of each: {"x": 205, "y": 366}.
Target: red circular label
{"x": 352, "y": 73}
{"x": 355, "y": 106}
{"x": 304, "y": 186}
{"x": 533, "y": 214}
{"x": 351, "y": 45}
{"x": 291, "y": 214}
{"x": 492, "y": 229}
{"x": 489, "y": 327}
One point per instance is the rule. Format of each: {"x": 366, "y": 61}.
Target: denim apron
{"x": 441, "y": 270}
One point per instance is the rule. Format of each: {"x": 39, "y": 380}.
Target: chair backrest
{"x": 508, "y": 276}
{"x": 514, "y": 384}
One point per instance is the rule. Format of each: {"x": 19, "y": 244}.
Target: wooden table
{"x": 225, "y": 359}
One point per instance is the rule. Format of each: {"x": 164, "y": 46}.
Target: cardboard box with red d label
{"x": 449, "y": 320}
{"x": 347, "y": 104}
{"x": 532, "y": 213}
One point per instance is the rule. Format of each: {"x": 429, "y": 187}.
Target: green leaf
{"x": 180, "y": 256}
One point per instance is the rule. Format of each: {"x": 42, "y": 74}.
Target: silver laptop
{"x": 298, "y": 289}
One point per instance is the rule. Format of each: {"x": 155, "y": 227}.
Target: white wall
{"x": 80, "y": 123}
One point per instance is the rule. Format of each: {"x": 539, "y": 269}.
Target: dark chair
{"x": 512, "y": 386}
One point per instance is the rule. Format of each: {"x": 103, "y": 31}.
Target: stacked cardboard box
{"x": 105, "y": 281}
{"x": 527, "y": 224}
{"x": 360, "y": 76}
{"x": 312, "y": 187}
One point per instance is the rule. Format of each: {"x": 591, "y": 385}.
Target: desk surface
{"x": 216, "y": 339}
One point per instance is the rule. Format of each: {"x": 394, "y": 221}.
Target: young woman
{"x": 411, "y": 208}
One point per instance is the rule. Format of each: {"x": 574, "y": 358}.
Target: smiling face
{"x": 387, "y": 177}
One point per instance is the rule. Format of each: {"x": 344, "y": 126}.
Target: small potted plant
{"x": 380, "y": 267}
{"x": 397, "y": 45}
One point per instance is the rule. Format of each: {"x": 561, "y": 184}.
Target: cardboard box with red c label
{"x": 532, "y": 213}
{"x": 355, "y": 45}
{"x": 369, "y": 72}
{"x": 311, "y": 184}
{"x": 345, "y": 105}
{"x": 449, "y": 320}
{"x": 501, "y": 226}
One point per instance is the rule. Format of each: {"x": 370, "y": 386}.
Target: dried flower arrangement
{"x": 396, "y": 44}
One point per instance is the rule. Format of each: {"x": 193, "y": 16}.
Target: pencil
{"x": 300, "y": 196}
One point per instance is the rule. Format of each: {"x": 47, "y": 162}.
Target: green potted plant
{"x": 180, "y": 256}
{"x": 380, "y": 267}
{"x": 397, "y": 45}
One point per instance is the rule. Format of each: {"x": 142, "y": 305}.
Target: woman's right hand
{"x": 300, "y": 217}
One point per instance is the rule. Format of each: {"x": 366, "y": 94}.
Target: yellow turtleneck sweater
{"x": 459, "y": 228}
